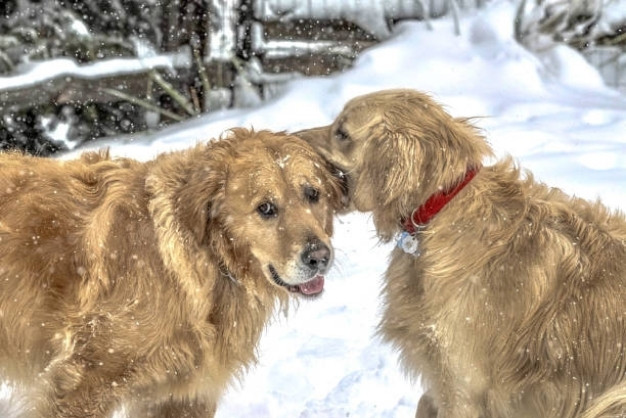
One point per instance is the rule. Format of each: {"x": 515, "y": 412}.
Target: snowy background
{"x": 550, "y": 111}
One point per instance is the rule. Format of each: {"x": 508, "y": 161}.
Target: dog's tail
{"x": 611, "y": 404}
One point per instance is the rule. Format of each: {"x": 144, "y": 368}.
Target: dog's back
{"x": 521, "y": 290}
{"x": 45, "y": 207}
{"x": 574, "y": 333}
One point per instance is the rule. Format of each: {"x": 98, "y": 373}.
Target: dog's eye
{"x": 311, "y": 194}
{"x": 267, "y": 210}
{"x": 341, "y": 135}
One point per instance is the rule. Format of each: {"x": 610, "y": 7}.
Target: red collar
{"x": 422, "y": 215}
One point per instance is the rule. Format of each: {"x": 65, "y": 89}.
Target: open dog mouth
{"x": 309, "y": 288}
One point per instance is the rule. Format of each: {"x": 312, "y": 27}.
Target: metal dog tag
{"x": 408, "y": 243}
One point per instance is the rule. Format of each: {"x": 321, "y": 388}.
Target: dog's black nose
{"x": 316, "y": 255}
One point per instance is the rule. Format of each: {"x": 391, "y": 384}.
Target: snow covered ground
{"x": 550, "y": 111}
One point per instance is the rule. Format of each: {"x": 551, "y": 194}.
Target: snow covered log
{"x": 63, "y": 81}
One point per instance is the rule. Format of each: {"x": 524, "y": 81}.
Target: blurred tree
{"x": 25, "y": 132}
{"x": 236, "y": 53}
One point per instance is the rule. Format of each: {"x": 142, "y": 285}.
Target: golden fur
{"x": 516, "y": 306}
{"x": 148, "y": 284}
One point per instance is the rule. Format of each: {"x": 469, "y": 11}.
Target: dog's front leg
{"x": 426, "y": 407}
{"x": 76, "y": 389}
{"x": 182, "y": 409}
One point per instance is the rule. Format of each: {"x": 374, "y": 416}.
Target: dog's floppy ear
{"x": 390, "y": 169}
{"x": 202, "y": 197}
{"x": 390, "y": 163}
{"x": 426, "y": 154}
{"x": 187, "y": 188}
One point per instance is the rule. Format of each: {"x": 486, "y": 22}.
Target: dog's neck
{"x": 422, "y": 215}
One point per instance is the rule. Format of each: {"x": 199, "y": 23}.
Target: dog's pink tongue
{"x": 313, "y": 286}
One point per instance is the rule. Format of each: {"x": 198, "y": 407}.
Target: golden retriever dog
{"x": 508, "y": 297}
{"x": 148, "y": 285}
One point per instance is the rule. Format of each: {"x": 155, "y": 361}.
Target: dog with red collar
{"x": 507, "y": 296}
